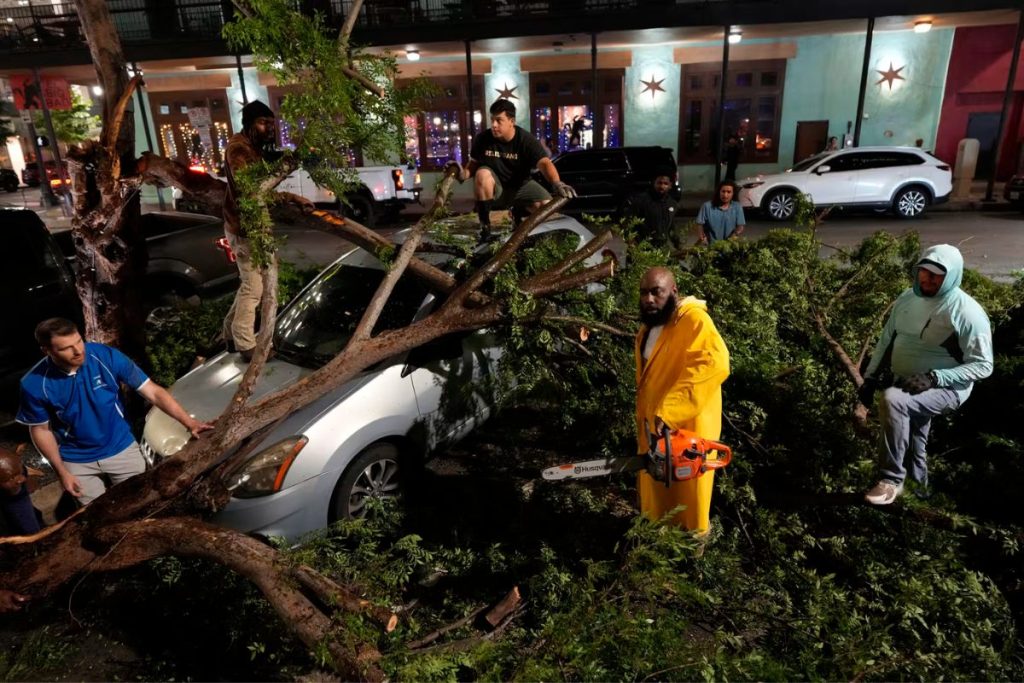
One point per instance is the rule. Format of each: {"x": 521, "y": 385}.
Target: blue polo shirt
{"x": 84, "y": 407}
{"x": 719, "y": 224}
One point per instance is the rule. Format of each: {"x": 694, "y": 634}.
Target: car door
{"x": 454, "y": 381}
{"x": 834, "y": 181}
{"x": 607, "y": 180}
{"x": 881, "y": 173}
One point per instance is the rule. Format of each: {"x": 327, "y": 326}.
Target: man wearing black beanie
{"x": 254, "y": 143}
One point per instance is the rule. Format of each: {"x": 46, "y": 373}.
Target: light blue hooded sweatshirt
{"x": 948, "y": 333}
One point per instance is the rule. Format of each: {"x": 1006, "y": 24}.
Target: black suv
{"x": 605, "y": 178}
{"x": 8, "y": 180}
{"x": 35, "y": 284}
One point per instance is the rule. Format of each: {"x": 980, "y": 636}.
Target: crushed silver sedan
{"x": 326, "y": 461}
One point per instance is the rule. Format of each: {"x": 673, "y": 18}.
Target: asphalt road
{"x": 991, "y": 242}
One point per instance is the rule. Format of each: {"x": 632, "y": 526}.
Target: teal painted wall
{"x": 505, "y": 73}
{"x": 822, "y": 82}
{"x": 652, "y": 119}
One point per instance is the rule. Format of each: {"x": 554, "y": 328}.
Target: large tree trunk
{"x": 110, "y": 250}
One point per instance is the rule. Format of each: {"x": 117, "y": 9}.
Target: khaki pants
{"x": 124, "y": 465}
{"x": 240, "y": 323}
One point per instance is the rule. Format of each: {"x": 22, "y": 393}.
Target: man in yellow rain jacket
{"x": 681, "y": 362}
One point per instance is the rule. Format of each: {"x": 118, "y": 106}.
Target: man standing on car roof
{"x": 500, "y": 162}
{"x": 681, "y": 362}
{"x": 71, "y": 403}
{"x": 937, "y": 343}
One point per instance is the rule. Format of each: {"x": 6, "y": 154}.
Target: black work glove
{"x": 455, "y": 168}
{"x": 923, "y": 381}
{"x": 866, "y": 392}
{"x": 564, "y": 191}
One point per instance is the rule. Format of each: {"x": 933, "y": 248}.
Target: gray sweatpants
{"x": 906, "y": 421}
{"x": 124, "y": 465}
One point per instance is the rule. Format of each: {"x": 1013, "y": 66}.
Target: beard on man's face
{"x": 661, "y": 315}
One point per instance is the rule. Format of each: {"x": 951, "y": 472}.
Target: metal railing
{"x": 46, "y": 26}
{"x": 39, "y": 26}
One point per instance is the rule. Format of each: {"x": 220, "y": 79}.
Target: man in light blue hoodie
{"x": 937, "y": 342}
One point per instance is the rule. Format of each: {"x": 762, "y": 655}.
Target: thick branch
{"x": 165, "y": 172}
{"x": 113, "y": 127}
{"x": 405, "y": 255}
{"x": 434, "y": 278}
{"x": 575, "y": 258}
{"x": 268, "y": 319}
{"x": 350, "y": 24}
{"x": 134, "y": 542}
{"x": 564, "y": 283}
{"x": 363, "y": 81}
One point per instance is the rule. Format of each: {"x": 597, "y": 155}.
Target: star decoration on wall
{"x": 507, "y": 93}
{"x": 652, "y": 85}
{"x": 891, "y": 75}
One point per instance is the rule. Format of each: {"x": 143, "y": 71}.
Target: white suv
{"x": 904, "y": 179}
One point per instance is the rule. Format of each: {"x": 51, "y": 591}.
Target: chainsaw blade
{"x": 593, "y": 468}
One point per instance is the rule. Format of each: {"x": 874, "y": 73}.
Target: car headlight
{"x": 750, "y": 186}
{"x": 263, "y": 473}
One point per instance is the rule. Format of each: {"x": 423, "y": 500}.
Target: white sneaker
{"x": 884, "y": 493}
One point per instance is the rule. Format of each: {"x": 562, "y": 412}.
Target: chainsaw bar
{"x": 594, "y": 468}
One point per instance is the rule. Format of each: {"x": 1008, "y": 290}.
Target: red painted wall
{"x": 978, "y": 67}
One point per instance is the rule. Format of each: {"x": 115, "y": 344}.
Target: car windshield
{"x": 808, "y": 162}
{"x": 320, "y": 322}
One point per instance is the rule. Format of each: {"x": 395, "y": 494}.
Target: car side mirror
{"x": 824, "y": 168}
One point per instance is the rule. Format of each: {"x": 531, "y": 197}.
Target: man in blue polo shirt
{"x": 71, "y": 403}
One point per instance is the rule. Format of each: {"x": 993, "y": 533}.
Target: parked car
{"x": 383, "y": 193}
{"x": 8, "y": 180}
{"x": 30, "y": 174}
{"x": 1013, "y": 191}
{"x": 904, "y": 179}
{"x": 605, "y": 178}
{"x": 188, "y": 255}
{"x": 324, "y": 462}
{"x": 35, "y": 283}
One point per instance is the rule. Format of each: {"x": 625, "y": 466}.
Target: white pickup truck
{"x": 383, "y": 193}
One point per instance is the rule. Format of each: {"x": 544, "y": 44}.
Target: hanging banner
{"x": 27, "y": 96}
{"x": 200, "y": 119}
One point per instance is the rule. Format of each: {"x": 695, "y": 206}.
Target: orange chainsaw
{"x": 674, "y": 456}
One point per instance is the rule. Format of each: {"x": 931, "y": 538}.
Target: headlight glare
{"x": 263, "y": 473}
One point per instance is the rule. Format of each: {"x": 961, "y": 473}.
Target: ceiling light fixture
{"x": 922, "y": 26}
{"x": 412, "y": 55}
{"x": 97, "y": 90}
{"x": 735, "y": 35}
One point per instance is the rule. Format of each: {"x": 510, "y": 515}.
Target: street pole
{"x": 863, "y": 82}
{"x": 46, "y": 196}
{"x": 1007, "y": 97}
{"x": 54, "y": 148}
{"x": 721, "y": 106}
{"x": 241, "y": 78}
{"x": 145, "y": 127}
{"x": 469, "y": 91}
{"x": 595, "y": 115}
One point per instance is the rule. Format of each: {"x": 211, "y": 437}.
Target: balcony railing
{"x": 44, "y": 26}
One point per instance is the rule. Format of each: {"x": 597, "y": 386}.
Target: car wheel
{"x": 910, "y": 202}
{"x": 781, "y": 205}
{"x": 359, "y": 209}
{"x": 375, "y": 474}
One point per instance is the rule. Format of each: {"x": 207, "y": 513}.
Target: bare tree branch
{"x": 350, "y": 23}
{"x": 113, "y": 128}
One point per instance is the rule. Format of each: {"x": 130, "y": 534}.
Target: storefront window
{"x": 564, "y": 100}
{"x": 576, "y": 127}
{"x": 750, "y": 113}
{"x": 412, "y": 138}
{"x": 441, "y": 130}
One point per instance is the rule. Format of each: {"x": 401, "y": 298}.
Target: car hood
{"x": 207, "y": 390}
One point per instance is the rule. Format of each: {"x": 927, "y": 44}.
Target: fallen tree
{"x": 160, "y": 512}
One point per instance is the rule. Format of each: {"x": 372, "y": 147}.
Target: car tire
{"x": 374, "y": 473}
{"x": 360, "y": 209}
{"x": 911, "y": 202}
{"x": 780, "y": 205}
